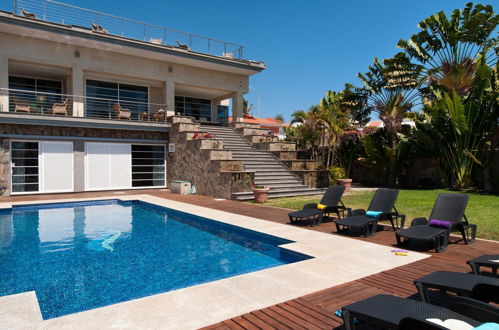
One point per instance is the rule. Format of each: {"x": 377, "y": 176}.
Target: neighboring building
{"x": 274, "y": 126}
{"x": 84, "y": 96}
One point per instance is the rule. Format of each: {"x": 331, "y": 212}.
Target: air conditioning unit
{"x": 171, "y": 147}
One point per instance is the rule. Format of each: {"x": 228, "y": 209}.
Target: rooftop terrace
{"x": 107, "y": 24}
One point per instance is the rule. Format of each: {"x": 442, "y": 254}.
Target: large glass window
{"x": 40, "y": 93}
{"x": 102, "y": 96}
{"x": 25, "y": 167}
{"x": 148, "y": 166}
{"x": 195, "y": 107}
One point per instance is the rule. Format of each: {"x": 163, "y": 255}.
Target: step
{"x": 277, "y": 182}
{"x": 246, "y": 196}
{"x": 266, "y": 166}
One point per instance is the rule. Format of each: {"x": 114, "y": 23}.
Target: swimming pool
{"x": 80, "y": 256}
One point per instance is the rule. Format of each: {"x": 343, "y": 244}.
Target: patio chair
{"x": 394, "y": 313}
{"x": 122, "y": 113}
{"x": 483, "y": 288}
{"x": 27, "y": 14}
{"x": 183, "y": 46}
{"x": 21, "y": 106}
{"x": 60, "y": 108}
{"x": 160, "y": 115}
{"x": 380, "y": 208}
{"x": 98, "y": 28}
{"x": 330, "y": 203}
{"x": 446, "y": 216}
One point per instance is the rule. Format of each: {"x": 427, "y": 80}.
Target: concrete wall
{"x": 119, "y": 66}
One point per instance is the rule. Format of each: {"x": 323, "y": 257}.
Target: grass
{"x": 483, "y": 209}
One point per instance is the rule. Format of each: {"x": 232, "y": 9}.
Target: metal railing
{"x": 102, "y": 23}
{"x": 54, "y": 104}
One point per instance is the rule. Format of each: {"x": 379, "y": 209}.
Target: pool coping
{"x": 337, "y": 260}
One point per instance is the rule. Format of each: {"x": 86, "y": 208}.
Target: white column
{"x": 4, "y": 84}
{"x": 170, "y": 96}
{"x": 78, "y": 88}
{"x": 237, "y": 107}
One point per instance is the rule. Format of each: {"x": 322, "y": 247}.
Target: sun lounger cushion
{"x": 321, "y": 206}
{"x": 440, "y": 223}
{"x": 488, "y": 326}
{"x": 373, "y": 214}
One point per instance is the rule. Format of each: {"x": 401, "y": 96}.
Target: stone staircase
{"x": 269, "y": 170}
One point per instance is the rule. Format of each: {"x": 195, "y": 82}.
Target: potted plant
{"x": 260, "y": 192}
{"x": 338, "y": 174}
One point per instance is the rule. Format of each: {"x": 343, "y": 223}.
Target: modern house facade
{"x": 85, "y": 97}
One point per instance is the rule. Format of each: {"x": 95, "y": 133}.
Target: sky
{"x": 309, "y": 47}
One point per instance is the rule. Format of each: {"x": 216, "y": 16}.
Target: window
{"x": 25, "y": 167}
{"x": 148, "y": 166}
{"x": 39, "y": 91}
{"x": 190, "y": 106}
{"x": 103, "y": 95}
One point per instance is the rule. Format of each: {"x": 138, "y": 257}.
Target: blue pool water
{"x": 79, "y": 256}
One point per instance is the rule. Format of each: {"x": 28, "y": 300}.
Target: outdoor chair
{"x": 122, "y": 113}
{"x": 21, "y": 106}
{"x": 483, "y": 288}
{"x": 314, "y": 213}
{"x": 98, "y": 28}
{"x": 382, "y": 207}
{"x": 446, "y": 216}
{"x": 393, "y": 312}
{"x": 27, "y": 14}
{"x": 182, "y": 46}
{"x": 160, "y": 115}
{"x": 60, "y": 108}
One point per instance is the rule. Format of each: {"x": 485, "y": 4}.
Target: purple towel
{"x": 440, "y": 223}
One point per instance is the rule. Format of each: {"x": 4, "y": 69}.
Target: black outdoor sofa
{"x": 314, "y": 216}
{"x": 446, "y": 216}
{"x": 383, "y": 201}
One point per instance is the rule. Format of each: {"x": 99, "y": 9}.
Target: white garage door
{"x": 108, "y": 166}
{"x": 56, "y": 165}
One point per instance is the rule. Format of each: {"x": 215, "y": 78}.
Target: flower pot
{"x": 347, "y": 183}
{"x": 261, "y": 194}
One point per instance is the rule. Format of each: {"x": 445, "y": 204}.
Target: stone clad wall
{"x": 4, "y": 167}
{"x": 204, "y": 163}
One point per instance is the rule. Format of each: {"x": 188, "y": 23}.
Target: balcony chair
{"x": 21, "y": 106}
{"x": 182, "y": 46}
{"x": 98, "y": 28}
{"x": 122, "y": 113}
{"x": 160, "y": 115}
{"x": 27, "y": 14}
{"x": 60, "y": 108}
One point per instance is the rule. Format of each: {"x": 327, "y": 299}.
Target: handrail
{"x": 58, "y": 12}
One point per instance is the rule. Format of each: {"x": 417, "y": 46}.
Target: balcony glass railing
{"x": 52, "y": 104}
{"x": 101, "y": 23}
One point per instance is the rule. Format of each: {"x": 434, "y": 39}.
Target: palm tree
{"x": 392, "y": 97}
{"x": 279, "y": 118}
{"x": 454, "y": 56}
{"x": 247, "y": 108}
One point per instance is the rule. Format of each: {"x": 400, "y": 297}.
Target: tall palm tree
{"x": 392, "y": 98}
{"x": 247, "y": 108}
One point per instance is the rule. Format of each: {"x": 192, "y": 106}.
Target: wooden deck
{"x": 316, "y": 310}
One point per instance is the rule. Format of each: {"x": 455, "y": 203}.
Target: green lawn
{"x": 482, "y": 210}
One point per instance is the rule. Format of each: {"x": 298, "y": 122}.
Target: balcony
{"x": 106, "y": 24}
{"x": 29, "y": 107}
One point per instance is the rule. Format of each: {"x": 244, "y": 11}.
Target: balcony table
{"x": 144, "y": 116}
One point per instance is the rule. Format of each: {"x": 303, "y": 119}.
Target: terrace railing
{"x": 54, "y": 104}
{"x": 58, "y": 12}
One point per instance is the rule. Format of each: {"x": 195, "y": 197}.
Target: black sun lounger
{"x": 478, "y": 287}
{"x": 383, "y": 201}
{"x": 486, "y": 260}
{"x": 314, "y": 216}
{"x": 392, "y": 312}
{"x": 446, "y": 216}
